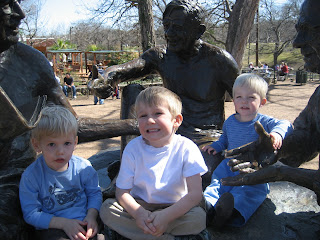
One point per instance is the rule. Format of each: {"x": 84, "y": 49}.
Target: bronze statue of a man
{"x": 27, "y": 83}
{"x": 198, "y": 72}
{"x": 303, "y": 143}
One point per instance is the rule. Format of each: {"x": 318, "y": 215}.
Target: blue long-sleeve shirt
{"x": 45, "y": 193}
{"x": 247, "y": 198}
{"x": 236, "y": 133}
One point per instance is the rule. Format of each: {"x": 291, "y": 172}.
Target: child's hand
{"x": 160, "y": 222}
{"x": 276, "y": 140}
{"x": 142, "y": 222}
{"x": 73, "y": 228}
{"x": 209, "y": 149}
{"x": 92, "y": 226}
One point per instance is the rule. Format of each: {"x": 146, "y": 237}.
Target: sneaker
{"x": 74, "y": 97}
{"x": 223, "y": 210}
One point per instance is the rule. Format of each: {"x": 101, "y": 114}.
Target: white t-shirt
{"x": 158, "y": 175}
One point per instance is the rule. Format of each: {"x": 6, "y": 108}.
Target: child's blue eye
{"x": 51, "y": 144}
{"x": 67, "y": 143}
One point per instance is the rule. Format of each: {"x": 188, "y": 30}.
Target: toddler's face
{"x": 56, "y": 150}
{"x": 247, "y": 103}
{"x": 156, "y": 124}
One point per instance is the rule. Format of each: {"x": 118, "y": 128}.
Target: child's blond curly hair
{"x": 55, "y": 121}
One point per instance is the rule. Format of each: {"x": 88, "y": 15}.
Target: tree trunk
{"x": 240, "y": 25}
{"x": 146, "y": 24}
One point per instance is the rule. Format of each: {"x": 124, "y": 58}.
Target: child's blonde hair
{"x": 55, "y": 121}
{"x": 253, "y": 82}
{"x": 153, "y": 96}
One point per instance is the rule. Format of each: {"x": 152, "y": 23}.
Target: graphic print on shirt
{"x": 62, "y": 197}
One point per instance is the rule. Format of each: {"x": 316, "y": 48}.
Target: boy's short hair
{"x": 55, "y": 121}
{"x": 153, "y": 96}
{"x": 251, "y": 81}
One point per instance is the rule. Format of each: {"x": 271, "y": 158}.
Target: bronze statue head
{"x": 308, "y": 34}
{"x": 10, "y": 18}
{"x": 192, "y": 9}
{"x": 183, "y": 25}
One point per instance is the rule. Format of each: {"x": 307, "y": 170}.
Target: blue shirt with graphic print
{"x": 45, "y": 193}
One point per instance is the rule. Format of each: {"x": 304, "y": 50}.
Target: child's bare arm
{"x": 72, "y": 227}
{"x": 161, "y": 219}
{"x": 140, "y": 214}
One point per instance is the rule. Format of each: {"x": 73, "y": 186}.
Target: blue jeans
{"x": 65, "y": 90}
{"x": 96, "y": 99}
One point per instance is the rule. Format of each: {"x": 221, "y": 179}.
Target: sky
{"x": 58, "y": 15}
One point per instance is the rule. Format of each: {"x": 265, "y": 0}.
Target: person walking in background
{"x": 116, "y": 93}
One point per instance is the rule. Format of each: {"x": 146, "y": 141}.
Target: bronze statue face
{"x": 179, "y": 32}
{"x": 308, "y": 34}
{"x": 10, "y": 17}
{"x": 183, "y": 26}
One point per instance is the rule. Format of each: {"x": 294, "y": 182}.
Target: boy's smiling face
{"x": 156, "y": 124}
{"x": 56, "y": 150}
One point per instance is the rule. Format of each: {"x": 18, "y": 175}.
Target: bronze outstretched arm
{"x": 91, "y": 129}
{"x": 257, "y": 163}
{"x": 254, "y": 155}
{"x": 279, "y": 172}
{"x": 129, "y": 71}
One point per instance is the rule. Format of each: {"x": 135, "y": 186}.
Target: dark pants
{"x": 58, "y": 234}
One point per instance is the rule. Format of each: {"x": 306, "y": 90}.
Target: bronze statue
{"x": 27, "y": 83}
{"x": 303, "y": 143}
{"x": 199, "y": 73}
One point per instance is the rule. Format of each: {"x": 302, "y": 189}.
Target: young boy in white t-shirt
{"x": 159, "y": 182}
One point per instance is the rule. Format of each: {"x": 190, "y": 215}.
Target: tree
{"x": 30, "y": 25}
{"x": 146, "y": 24}
{"x": 61, "y": 44}
{"x": 240, "y": 24}
{"x": 278, "y": 23}
{"x": 118, "y": 10}
{"x": 234, "y": 18}
{"x": 86, "y": 33}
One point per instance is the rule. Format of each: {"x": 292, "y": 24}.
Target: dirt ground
{"x": 285, "y": 101}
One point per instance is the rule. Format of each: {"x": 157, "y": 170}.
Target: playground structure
{"x": 72, "y": 60}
